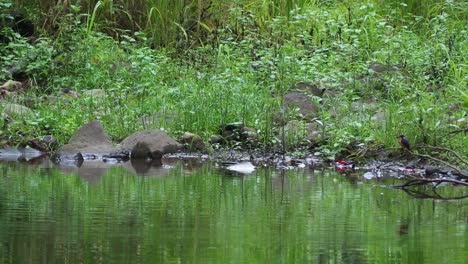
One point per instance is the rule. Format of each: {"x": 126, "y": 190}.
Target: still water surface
{"x": 190, "y": 212}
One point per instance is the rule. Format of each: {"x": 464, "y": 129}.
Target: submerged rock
{"x": 29, "y": 153}
{"x": 20, "y": 154}
{"x": 10, "y": 154}
{"x": 143, "y": 167}
{"x": 68, "y": 159}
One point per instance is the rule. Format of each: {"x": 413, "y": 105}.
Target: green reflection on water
{"x": 201, "y": 215}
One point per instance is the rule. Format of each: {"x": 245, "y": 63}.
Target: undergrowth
{"x": 237, "y": 70}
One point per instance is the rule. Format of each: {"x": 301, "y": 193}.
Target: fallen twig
{"x": 435, "y": 197}
{"x": 448, "y": 150}
{"x": 459, "y": 131}
{"x": 422, "y": 181}
{"x": 443, "y": 162}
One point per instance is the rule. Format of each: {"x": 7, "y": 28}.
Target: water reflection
{"x": 195, "y": 212}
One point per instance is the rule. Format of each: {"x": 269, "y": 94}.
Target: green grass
{"x": 234, "y": 64}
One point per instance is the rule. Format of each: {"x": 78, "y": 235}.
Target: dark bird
{"x": 403, "y": 142}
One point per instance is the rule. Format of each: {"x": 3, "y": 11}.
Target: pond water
{"x": 193, "y": 212}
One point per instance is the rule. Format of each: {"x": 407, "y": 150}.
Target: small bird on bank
{"x": 403, "y": 142}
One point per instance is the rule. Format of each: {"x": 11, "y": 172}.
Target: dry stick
{"x": 424, "y": 181}
{"x": 446, "y": 149}
{"x": 459, "y": 131}
{"x": 433, "y": 198}
{"x": 443, "y": 162}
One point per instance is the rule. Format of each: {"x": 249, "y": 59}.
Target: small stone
{"x": 193, "y": 141}
{"x": 381, "y": 68}
{"x": 309, "y": 88}
{"x": 249, "y": 134}
{"x": 297, "y": 105}
{"x": 11, "y": 85}
{"x": 216, "y": 139}
{"x": 95, "y": 93}
{"x": 14, "y": 110}
{"x": 70, "y": 93}
{"x": 49, "y": 140}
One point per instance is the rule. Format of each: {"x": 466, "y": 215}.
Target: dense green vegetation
{"x": 194, "y": 65}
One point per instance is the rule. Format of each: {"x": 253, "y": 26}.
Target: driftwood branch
{"x": 422, "y": 181}
{"x": 462, "y": 160}
{"x": 443, "y": 162}
{"x": 434, "y": 197}
{"x": 459, "y": 131}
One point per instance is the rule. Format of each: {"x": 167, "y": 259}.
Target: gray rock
{"x": 29, "y": 154}
{"x": 216, "y": 139}
{"x": 66, "y": 160}
{"x": 300, "y": 102}
{"x": 154, "y": 139}
{"x": 299, "y": 132}
{"x": 116, "y": 156}
{"x": 381, "y": 68}
{"x": 238, "y": 132}
{"x": 95, "y": 93}
{"x": 49, "y": 140}
{"x": 52, "y": 100}
{"x": 90, "y": 139}
{"x": 314, "y": 133}
{"x": 10, "y": 154}
{"x": 379, "y": 117}
{"x": 142, "y": 151}
{"x": 309, "y": 88}
{"x": 11, "y": 86}
{"x": 18, "y": 111}
{"x": 242, "y": 168}
{"x": 67, "y": 93}
{"x": 295, "y": 133}
{"x": 193, "y": 141}
{"x": 249, "y": 135}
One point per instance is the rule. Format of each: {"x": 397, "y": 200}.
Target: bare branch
{"x": 423, "y": 181}
{"x": 434, "y": 197}
{"x": 459, "y": 131}
{"x": 443, "y": 162}
{"x": 448, "y": 150}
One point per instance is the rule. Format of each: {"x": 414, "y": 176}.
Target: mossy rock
{"x": 17, "y": 111}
